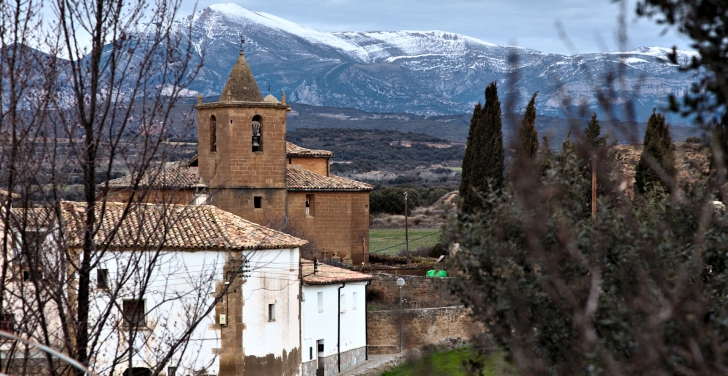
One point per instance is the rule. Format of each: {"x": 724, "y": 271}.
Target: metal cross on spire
{"x": 242, "y": 41}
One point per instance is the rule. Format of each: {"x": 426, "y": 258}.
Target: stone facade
{"x": 234, "y": 164}
{"x": 318, "y": 165}
{"x": 418, "y": 291}
{"x": 251, "y": 181}
{"x": 242, "y": 201}
{"x": 420, "y": 327}
{"x": 153, "y": 196}
{"x": 345, "y": 214}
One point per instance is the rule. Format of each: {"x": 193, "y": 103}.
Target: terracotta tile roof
{"x": 328, "y": 274}
{"x": 293, "y": 150}
{"x": 300, "y": 179}
{"x": 32, "y": 217}
{"x": 169, "y": 175}
{"x": 181, "y": 227}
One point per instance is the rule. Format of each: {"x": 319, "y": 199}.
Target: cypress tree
{"x": 527, "y": 134}
{"x": 657, "y": 145}
{"x": 592, "y": 132}
{"x": 484, "y": 158}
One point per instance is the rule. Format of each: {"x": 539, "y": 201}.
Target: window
{"x": 354, "y": 304}
{"x": 257, "y": 135}
{"x": 102, "y": 278}
{"x": 213, "y": 133}
{"x": 343, "y": 303}
{"x": 31, "y": 243}
{"x": 310, "y": 353}
{"x": 134, "y": 312}
{"x": 321, "y": 302}
{"x": 7, "y": 322}
{"x": 257, "y": 202}
{"x": 272, "y": 312}
{"x": 310, "y": 205}
{"x": 171, "y": 371}
{"x": 28, "y": 275}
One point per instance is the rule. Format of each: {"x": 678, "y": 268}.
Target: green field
{"x": 450, "y": 363}
{"x": 390, "y": 242}
{"x": 456, "y": 169}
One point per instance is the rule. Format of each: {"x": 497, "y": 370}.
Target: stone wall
{"x": 419, "y": 327}
{"x": 319, "y": 165}
{"x": 418, "y": 292}
{"x": 241, "y": 202}
{"x": 349, "y": 359}
{"x": 345, "y": 214}
{"x": 154, "y": 196}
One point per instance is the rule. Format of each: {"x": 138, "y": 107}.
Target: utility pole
{"x": 406, "y": 230}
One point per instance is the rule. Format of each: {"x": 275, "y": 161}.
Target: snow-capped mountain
{"x": 422, "y": 72}
{"x": 419, "y": 72}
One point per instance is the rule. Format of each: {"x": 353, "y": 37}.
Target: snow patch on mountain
{"x": 235, "y": 13}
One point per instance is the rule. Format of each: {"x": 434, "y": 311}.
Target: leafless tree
{"x": 88, "y": 88}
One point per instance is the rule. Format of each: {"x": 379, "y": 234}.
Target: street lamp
{"x": 400, "y": 283}
{"x": 406, "y": 232}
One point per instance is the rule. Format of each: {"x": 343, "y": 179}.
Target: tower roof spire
{"x": 241, "y": 84}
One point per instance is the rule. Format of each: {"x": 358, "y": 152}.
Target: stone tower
{"x": 241, "y": 146}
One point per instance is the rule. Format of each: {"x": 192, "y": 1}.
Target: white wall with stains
{"x": 319, "y": 322}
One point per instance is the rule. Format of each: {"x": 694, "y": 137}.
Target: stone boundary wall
{"x": 418, "y": 291}
{"x": 419, "y": 327}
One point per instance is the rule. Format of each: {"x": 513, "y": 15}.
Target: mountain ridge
{"x": 421, "y": 72}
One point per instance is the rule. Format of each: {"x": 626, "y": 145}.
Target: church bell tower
{"x": 242, "y": 148}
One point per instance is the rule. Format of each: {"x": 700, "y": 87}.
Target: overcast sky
{"x": 590, "y": 24}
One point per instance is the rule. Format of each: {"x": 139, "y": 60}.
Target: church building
{"x": 245, "y": 166}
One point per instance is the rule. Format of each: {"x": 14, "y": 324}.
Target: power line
{"x": 401, "y": 244}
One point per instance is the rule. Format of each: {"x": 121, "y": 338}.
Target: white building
{"x": 197, "y": 289}
{"x": 333, "y": 318}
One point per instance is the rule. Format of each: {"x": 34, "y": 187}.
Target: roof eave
{"x": 330, "y": 190}
{"x": 319, "y": 283}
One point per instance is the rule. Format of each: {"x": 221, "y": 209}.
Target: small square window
{"x": 320, "y": 302}
{"x": 271, "y": 312}
{"x": 102, "y": 278}
{"x": 28, "y": 275}
{"x": 7, "y": 322}
{"x": 343, "y": 303}
{"x": 257, "y": 202}
{"x": 134, "y": 312}
{"x": 171, "y": 371}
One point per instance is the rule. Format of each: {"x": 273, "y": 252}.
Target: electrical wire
{"x": 400, "y": 244}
